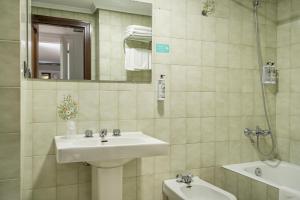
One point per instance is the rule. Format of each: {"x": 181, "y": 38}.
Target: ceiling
{"x": 89, "y": 6}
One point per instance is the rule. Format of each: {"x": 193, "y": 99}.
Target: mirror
{"x": 100, "y": 40}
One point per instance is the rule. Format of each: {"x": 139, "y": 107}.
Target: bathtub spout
{"x": 248, "y": 133}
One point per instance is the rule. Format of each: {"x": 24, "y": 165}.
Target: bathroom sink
{"x": 199, "y": 190}
{"x": 107, "y": 158}
{"x": 118, "y": 149}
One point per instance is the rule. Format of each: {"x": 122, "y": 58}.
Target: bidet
{"x": 196, "y": 190}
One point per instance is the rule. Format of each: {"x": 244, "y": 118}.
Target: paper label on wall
{"x": 162, "y": 48}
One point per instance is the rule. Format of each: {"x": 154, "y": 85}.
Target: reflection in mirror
{"x": 61, "y": 49}
{"x": 111, "y": 42}
{"x": 125, "y": 49}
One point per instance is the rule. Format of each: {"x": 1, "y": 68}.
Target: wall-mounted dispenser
{"x": 269, "y": 75}
{"x": 161, "y": 88}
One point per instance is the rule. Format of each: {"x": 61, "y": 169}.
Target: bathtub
{"x": 279, "y": 174}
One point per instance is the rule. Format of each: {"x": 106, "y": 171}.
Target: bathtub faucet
{"x": 257, "y": 132}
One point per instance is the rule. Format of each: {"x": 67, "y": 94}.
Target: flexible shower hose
{"x": 263, "y": 89}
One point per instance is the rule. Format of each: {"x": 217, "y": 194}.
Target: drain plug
{"x": 258, "y": 171}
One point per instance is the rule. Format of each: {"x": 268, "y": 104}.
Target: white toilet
{"x": 198, "y": 190}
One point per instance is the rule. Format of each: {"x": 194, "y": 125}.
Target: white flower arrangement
{"x": 68, "y": 109}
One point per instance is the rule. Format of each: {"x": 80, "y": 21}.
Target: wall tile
{"x": 89, "y": 105}
{"x": 207, "y": 101}
{"x": 10, "y": 106}
{"x": 10, "y": 189}
{"x": 27, "y": 174}
{"x": 9, "y": 64}
{"x": 193, "y": 155}
{"x": 127, "y": 105}
{"x": 178, "y": 153}
{"x": 43, "y": 138}
{"x": 295, "y": 149}
{"x": 207, "y": 154}
{"x": 178, "y": 131}
{"x": 145, "y": 98}
{"x": 9, "y": 154}
{"x": 67, "y": 192}
{"x": 108, "y": 105}
{"x": 44, "y": 171}
{"x": 129, "y": 188}
{"x": 177, "y": 106}
{"x": 193, "y": 130}
{"x": 162, "y": 129}
{"x": 193, "y": 25}
{"x": 145, "y": 186}
{"x": 10, "y": 20}
{"x": 42, "y": 113}
{"x": 44, "y": 194}
{"x": 193, "y": 104}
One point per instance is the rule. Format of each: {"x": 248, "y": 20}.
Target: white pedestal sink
{"x": 107, "y": 158}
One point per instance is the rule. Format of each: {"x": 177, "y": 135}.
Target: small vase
{"x": 71, "y": 128}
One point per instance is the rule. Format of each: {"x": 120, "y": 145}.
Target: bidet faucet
{"x": 187, "y": 178}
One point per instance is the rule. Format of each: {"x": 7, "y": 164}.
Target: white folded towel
{"x": 137, "y": 59}
{"x": 139, "y": 29}
{"x": 135, "y": 30}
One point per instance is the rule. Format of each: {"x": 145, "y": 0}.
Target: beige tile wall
{"x": 10, "y": 99}
{"x": 212, "y": 94}
{"x": 288, "y": 99}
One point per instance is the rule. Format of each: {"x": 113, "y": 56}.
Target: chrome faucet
{"x": 116, "y": 132}
{"x": 88, "y": 133}
{"x": 103, "y": 134}
{"x": 257, "y": 132}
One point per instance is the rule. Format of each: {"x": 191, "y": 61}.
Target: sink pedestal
{"x": 107, "y": 183}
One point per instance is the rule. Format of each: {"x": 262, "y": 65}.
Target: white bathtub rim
{"x": 239, "y": 168}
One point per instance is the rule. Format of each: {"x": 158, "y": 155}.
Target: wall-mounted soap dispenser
{"x": 161, "y": 88}
{"x": 269, "y": 75}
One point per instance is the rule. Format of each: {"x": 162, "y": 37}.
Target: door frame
{"x": 41, "y": 19}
